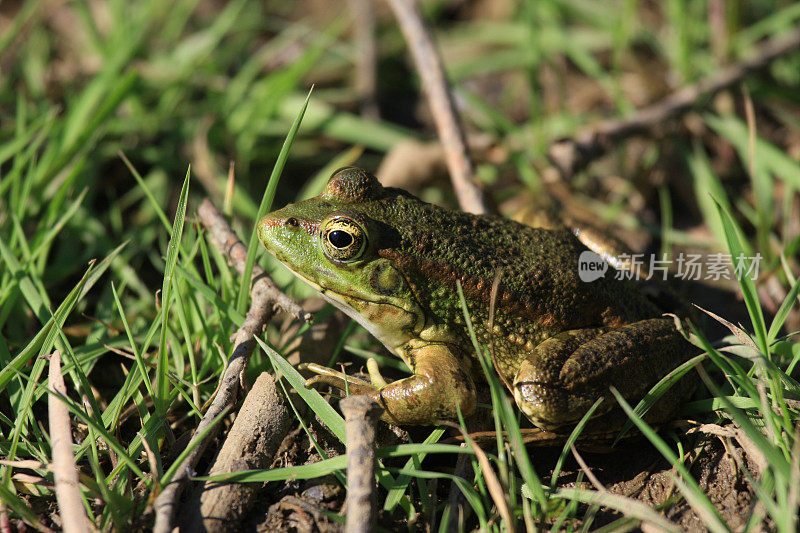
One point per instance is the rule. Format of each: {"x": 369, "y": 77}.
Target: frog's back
{"x": 539, "y": 293}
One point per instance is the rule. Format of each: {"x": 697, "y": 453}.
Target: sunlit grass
{"x": 101, "y": 258}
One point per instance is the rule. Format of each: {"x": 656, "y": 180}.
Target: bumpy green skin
{"x": 558, "y": 342}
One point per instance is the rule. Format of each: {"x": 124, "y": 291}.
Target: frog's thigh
{"x": 440, "y": 387}
{"x": 565, "y": 374}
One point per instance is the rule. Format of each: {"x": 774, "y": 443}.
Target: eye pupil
{"x": 340, "y": 239}
{"x": 292, "y": 222}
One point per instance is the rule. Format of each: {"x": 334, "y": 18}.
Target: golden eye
{"x": 343, "y": 239}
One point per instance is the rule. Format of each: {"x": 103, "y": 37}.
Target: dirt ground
{"x": 634, "y": 469}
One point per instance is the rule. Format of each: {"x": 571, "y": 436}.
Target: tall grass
{"x": 105, "y": 105}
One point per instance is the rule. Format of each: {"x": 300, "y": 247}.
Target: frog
{"x": 398, "y": 266}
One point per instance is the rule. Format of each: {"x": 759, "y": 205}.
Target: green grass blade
{"x": 783, "y": 312}
{"x": 317, "y": 403}
{"x": 327, "y": 466}
{"x": 776, "y": 460}
{"x": 153, "y": 202}
{"x": 396, "y": 493}
{"x": 198, "y": 439}
{"x": 162, "y": 365}
{"x": 707, "y": 188}
{"x": 507, "y": 413}
{"x": 774, "y": 158}
{"x": 20, "y": 360}
{"x": 20, "y": 507}
{"x": 573, "y": 437}
{"x": 56, "y": 228}
{"x": 266, "y": 204}
{"x": 690, "y": 489}
{"x": 658, "y": 390}
{"x": 627, "y": 506}
{"x": 311, "y": 471}
{"x": 79, "y": 412}
{"x": 746, "y": 284}
{"x": 140, "y": 364}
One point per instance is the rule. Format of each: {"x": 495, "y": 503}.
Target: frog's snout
{"x": 277, "y": 220}
{"x": 285, "y": 234}
{"x": 273, "y": 226}
{"x": 274, "y": 222}
{"x": 266, "y": 227}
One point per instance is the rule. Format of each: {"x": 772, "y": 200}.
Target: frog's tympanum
{"x": 391, "y": 262}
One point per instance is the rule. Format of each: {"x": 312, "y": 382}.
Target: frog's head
{"x": 333, "y": 242}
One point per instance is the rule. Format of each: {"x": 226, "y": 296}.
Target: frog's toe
{"x": 375, "y": 373}
{"x": 339, "y": 380}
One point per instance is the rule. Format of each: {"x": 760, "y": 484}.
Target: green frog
{"x": 392, "y": 262}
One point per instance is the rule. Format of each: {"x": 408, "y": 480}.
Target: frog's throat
{"x": 392, "y": 324}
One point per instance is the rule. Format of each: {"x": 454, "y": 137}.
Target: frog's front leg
{"x": 440, "y": 387}
{"x": 565, "y": 374}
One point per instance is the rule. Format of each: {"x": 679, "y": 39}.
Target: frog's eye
{"x": 343, "y": 239}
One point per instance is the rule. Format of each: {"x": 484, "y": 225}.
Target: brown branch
{"x": 586, "y": 470}
{"x": 228, "y": 243}
{"x": 573, "y": 154}
{"x": 366, "y": 56}
{"x": 203, "y": 164}
{"x": 262, "y": 423}
{"x": 5, "y": 523}
{"x": 65, "y": 470}
{"x": 360, "y": 414}
{"x": 436, "y": 88}
{"x": 264, "y": 296}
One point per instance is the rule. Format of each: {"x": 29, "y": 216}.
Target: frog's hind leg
{"x": 565, "y": 374}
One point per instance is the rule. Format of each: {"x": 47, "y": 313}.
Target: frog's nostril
{"x": 292, "y": 222}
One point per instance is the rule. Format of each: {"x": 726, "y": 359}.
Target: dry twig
{"x": 360, "y": 414}
{"x": 65, "y": 470}
{"x": 574, "y": 154}
{"x": 262, "y": 423}
{"x": 264, "y": 297}
{"x": 366, "y": 58}
{"x": 434, "y": 82}
{"x": 586, "y": 470}
{"x": 5, "y": 523}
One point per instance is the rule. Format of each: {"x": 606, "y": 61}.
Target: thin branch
{"x": 440, "y": 100}
{"x": 5, "y": 523}
{"x": 65, "y": 470}
{"x": 586, "y": 470}
{"x": 264, "y": 296}
{"x": 366, "y": 56}
{"x": 573, "y": 154}
{"x": 228, "y": 243}
{"x": 203, "y": 164}
{"x": 361, "y": 414}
